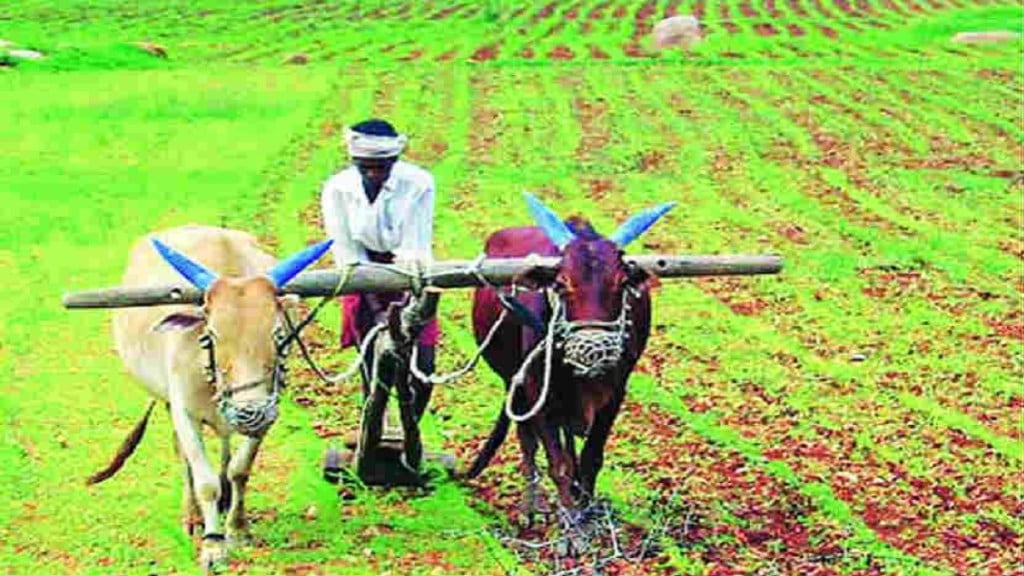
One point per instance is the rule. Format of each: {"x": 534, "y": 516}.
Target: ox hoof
{"x": 534, "y": 502}
{"x": 213, "y": 559}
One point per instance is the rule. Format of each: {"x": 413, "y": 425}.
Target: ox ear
{"x": 192, "y": 271}
{"x": 178, "y": 321}
{"x": 632, "y": 229}
{"x": 285, "y": 270}
{"x": 549, "y": 222}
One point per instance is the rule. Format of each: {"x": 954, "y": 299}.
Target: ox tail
{"x": 126, "y": 449}
{"x": 494, "y": 441}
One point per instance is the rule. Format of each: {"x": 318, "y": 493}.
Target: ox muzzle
{"x": 592, "y": 347}
{"x": 249, "y": 417}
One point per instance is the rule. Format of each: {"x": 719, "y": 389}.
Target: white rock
{"x": 681, "y": 31}
{"x": 26, "y": 54}
{"x": 5, "y": 43}
{"x": 985, "y": 37}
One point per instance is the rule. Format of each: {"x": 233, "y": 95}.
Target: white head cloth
{"x": 370, "y": 146}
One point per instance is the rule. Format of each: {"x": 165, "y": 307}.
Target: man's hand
{"x": 378, "y": 306}
{"x": 414, "y": 265}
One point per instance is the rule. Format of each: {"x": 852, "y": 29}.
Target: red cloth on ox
{"x": 355, "y": 324}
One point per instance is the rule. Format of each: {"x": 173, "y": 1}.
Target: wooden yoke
{"x": 442, "y": 274}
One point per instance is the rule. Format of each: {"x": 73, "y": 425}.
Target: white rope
{"x": 443, "y": 379}
{"x": 343, "y": 279}
{"x": 434, "y": 379}
{"x": 353, "y": 369}
{"x": 517, "y": 380}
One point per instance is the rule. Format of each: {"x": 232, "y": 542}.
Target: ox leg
{"x": 238, "y": 473}
{"x": 205, "y": 481}
{"x": 561, "y": 470}
{"x": 190, "y": 516}
{"x": 570, "y": 450}
{"x": 224, "y": 502}
{"x": 533, "y": 500}
{"x": 592, "y": 457}
{"x": 560, "y": 466}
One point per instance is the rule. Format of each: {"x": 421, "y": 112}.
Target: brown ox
{"x": 221, "y": 364}
{"x": 596, "y": 308}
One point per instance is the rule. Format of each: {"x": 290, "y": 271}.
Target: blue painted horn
{"x": 194, "y": 272}
{"x": 280, "y": 274}
{"x": 549, "y": 222}
{"x": 634, "y": 227}
{"x": 285, "y": 270}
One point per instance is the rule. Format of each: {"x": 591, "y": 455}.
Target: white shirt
{"x": 400, "y": 220}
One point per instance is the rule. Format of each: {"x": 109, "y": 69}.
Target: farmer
{"x": 380, "y": 209}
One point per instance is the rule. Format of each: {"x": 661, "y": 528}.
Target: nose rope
{"x": 253, "y": 417}
{"x": 594, "y": 347}
{"x": 591, "y": 347}
{"x": 548, "y": 348}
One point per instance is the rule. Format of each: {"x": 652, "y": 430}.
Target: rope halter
{"x": 250, "y": 417}
{"x": 594, "y": 347}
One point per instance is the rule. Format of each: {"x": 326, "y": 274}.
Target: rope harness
{"x": 419, "y": 281}
{"x": 590, "y": 347}
{"x": 253, "y": 417}
{"x": 594, "y": 347}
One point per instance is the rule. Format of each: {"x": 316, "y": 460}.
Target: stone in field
{"x": 682, "y": 31}
{"x": 986, "y": 37}
{"x": 25, "y": 54}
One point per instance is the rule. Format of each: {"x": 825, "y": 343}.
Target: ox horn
{"x": 549, "y": 222}
{"x": 632, "y": 229}
{"x": 288, "y": 268}
{"x": 194, "y": 272}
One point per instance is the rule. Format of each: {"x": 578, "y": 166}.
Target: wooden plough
{"x": 390, "y": 456}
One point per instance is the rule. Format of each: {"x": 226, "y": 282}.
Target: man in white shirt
{"x": 380, "y": 209}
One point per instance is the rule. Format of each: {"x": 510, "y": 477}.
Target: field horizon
{"x": 859, "y": 413}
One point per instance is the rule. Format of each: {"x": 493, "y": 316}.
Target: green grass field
{"x": 861, "y": 413}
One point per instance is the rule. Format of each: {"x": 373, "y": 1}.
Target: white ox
{"x": 220, "y": 364}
